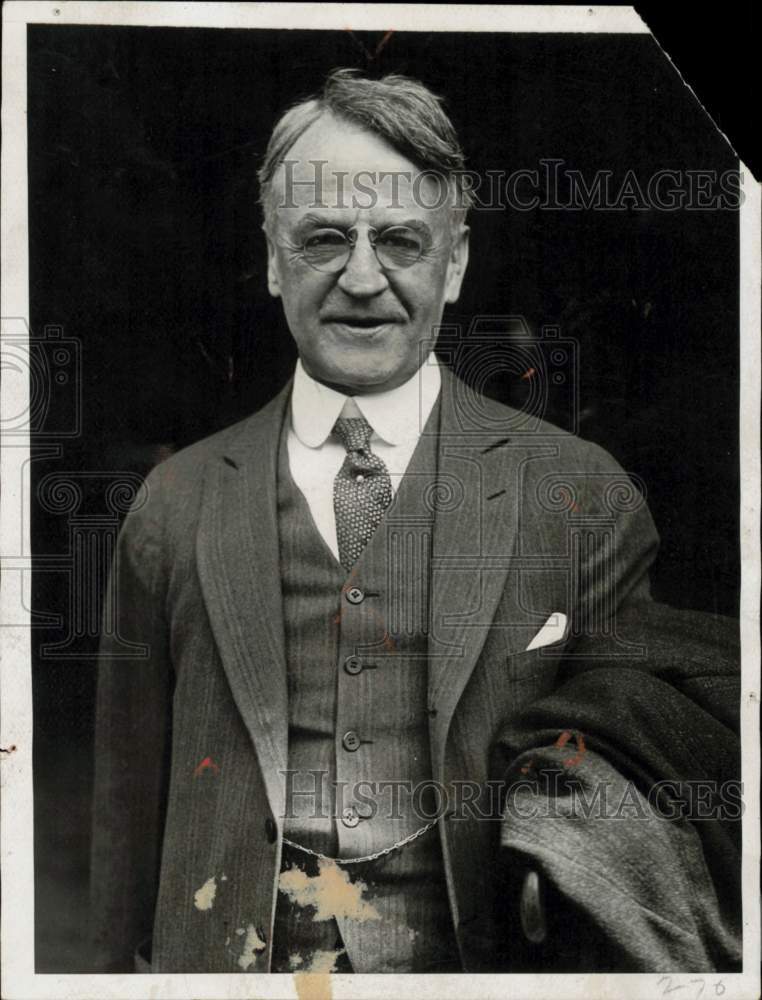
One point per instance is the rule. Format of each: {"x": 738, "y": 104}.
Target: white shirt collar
{"x": 397, "y": 415}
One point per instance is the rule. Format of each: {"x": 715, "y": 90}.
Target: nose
{"x": 363, "y": 277}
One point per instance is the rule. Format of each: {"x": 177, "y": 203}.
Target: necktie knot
{"x": 354, "y": 433}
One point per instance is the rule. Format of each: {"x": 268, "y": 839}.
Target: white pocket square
{"x": 553, "y": 630}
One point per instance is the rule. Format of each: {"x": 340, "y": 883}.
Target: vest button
{"x": 271, "y": 831}
{"x": 350, "y": 741}
{"x": 349, "y": 817}
{"x": 355, "y": 596}
{"x": 353, "y": 665}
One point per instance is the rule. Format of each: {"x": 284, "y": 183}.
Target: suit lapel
{"x": 474, "y": 535}
{"x": 238, "y": 565}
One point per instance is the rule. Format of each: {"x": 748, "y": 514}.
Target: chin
{"x": 362, "y": 374}
{"x": 357, "y": 379}
{"x": 363, "y": 379}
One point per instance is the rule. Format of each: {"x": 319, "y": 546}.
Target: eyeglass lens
{"x": 396, "y": 247}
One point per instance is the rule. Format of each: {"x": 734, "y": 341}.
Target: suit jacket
{"x": 192, "y": 721}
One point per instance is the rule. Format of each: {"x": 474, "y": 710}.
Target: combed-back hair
{"x": 399, "y": 109}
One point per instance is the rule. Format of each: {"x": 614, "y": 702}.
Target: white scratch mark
{"x": 203, "y": 898}
{"x": 251, "y": 946}
{"x": 322, "y": 962}
{"x": 331, "y": 892}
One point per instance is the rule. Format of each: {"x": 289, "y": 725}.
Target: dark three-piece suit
{"x": 255, "y": 656}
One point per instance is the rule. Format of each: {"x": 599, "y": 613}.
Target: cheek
{"x": 301, "y": 292}
{"x": 421, "y": 291}
{"x": 426, "y": 297}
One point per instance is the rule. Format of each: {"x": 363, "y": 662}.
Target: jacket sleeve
{"x": 132, "y": 734}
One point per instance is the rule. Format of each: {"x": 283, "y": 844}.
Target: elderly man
{"x": 343, "y": 604}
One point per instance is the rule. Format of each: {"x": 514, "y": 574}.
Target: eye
{"x": 325, "y": 238}
{"x": 400, "y": 238}
{"x": 399, "y": 246}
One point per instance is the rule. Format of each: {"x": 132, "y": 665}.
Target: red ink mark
{"x": 207, "y": 764}
{"x": 568, "y": 500}
{"x": 579, "y": 741}
{"x": 370, "y": 56}
{"x": 528, "y": 373}
{"x": 382, "y": 43}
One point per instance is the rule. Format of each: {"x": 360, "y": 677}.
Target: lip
{"x": 361, "y": 326}
{"x": 362, "y": 322}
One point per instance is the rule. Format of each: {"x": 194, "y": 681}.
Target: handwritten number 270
{"x": 669, "y": 987}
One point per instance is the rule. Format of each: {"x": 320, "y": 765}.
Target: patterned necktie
{"x": 362, "y": 490}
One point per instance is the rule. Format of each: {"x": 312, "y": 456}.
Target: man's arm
{"x": 132, "y": 742}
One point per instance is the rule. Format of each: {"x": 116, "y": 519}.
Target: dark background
{"x": 145, "y": 247}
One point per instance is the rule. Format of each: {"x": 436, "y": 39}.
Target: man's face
{"x": 360, "y": 329}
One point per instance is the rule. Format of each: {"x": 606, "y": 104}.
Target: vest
{"x": 359, "y": 765}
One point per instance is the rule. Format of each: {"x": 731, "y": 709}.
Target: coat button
{"x": 353, "y": 665}
{"x": 349, "y": 817}
{"x": 350, "y": 741}
{"x": 271, "y": 831}
{"x": 355, "y": 595}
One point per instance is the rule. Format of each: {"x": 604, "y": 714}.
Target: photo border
{"x": 16, "y": 724}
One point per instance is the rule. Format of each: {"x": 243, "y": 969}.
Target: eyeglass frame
{"x": 373, "y": 235}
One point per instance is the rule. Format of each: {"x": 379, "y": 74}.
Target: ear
{"x": 273, "y": 273}
{"x": 457, "y": 264}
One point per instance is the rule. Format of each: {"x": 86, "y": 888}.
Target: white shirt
{"x": 315, "y": 455}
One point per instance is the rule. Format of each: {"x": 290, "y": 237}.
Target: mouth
{"x": 361, "y": 322}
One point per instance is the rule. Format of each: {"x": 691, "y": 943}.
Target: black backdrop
{"x": 145, "y": 247}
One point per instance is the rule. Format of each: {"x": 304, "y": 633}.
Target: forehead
{"x": 338, "y": 166}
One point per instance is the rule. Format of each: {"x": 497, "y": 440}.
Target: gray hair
{"x": 397, "y": 108}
